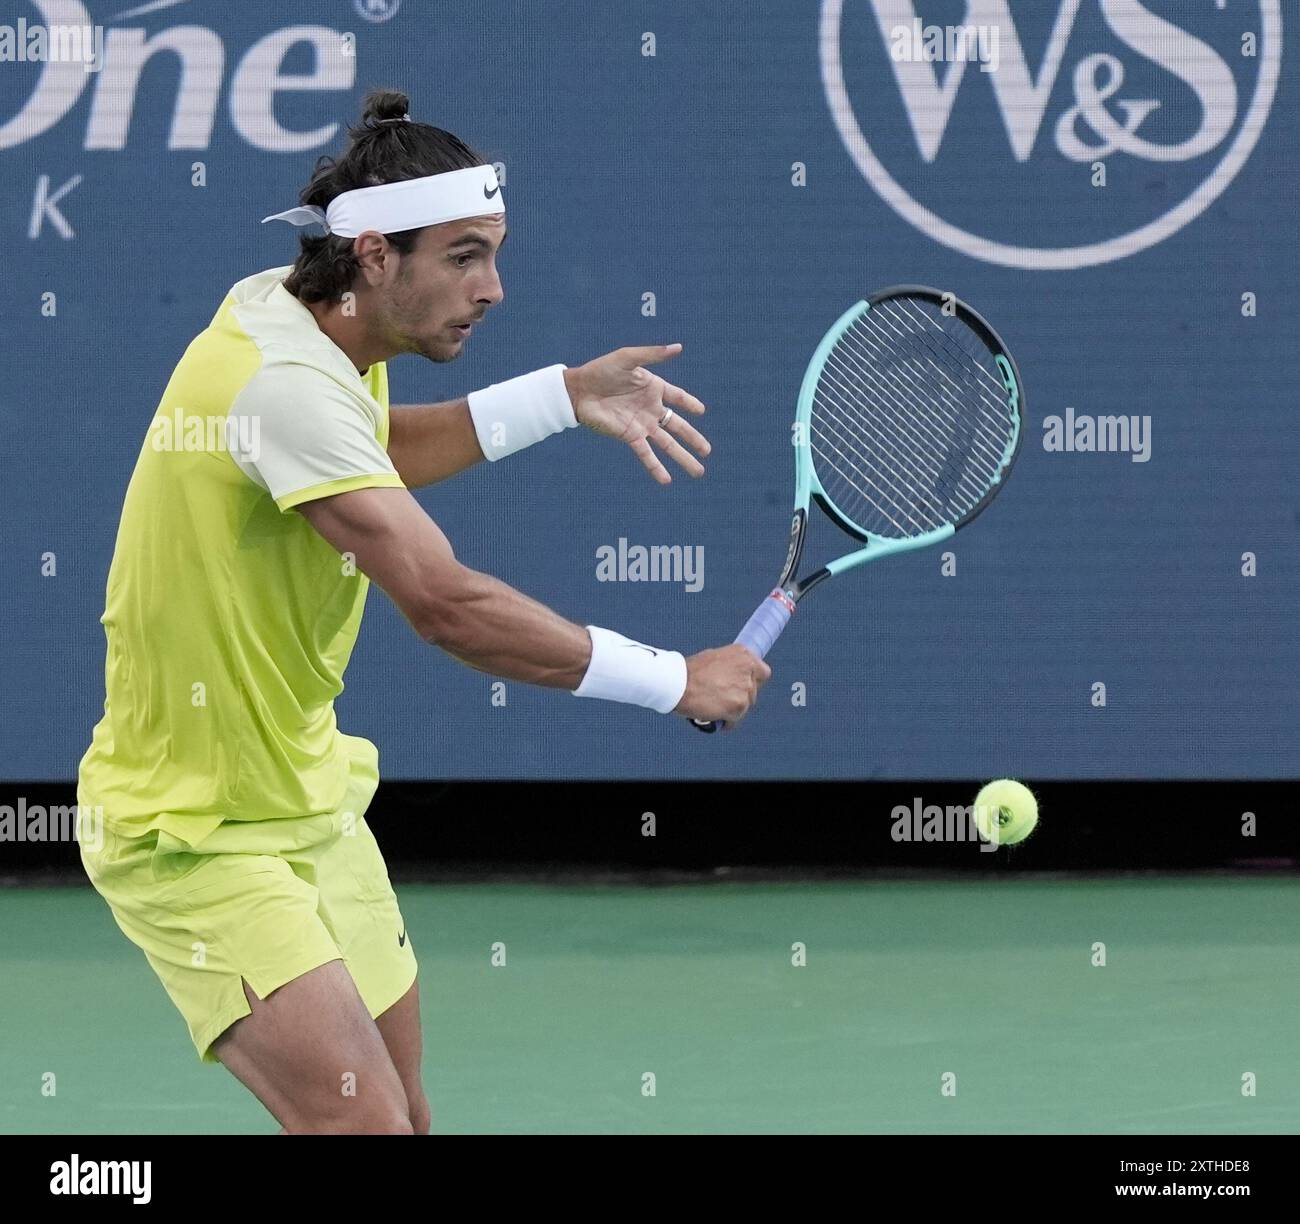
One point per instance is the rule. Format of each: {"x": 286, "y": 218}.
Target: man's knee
{"x": 387, "y": 1119}
{"x": 396, "y": 1123}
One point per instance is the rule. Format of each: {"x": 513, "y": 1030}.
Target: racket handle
{"x": 765, "y": 626}
{"x": 758, "y": 637}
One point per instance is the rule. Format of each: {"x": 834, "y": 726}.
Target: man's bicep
{"x": 393, "y": 541}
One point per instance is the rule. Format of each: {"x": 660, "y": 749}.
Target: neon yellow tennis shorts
{"x": 265, "y": 901}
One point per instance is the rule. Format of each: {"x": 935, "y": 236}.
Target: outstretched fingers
{"x": 675, "y": 451}
{"x": 685, "y": 432}
{"x": 650, "y": 460}
{"x": 675, "y": 397}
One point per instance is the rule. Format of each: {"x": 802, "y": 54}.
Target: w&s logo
{"x": 1097, "y": 129}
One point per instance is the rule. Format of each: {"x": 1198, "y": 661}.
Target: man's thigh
{"x": 211, "y": 920}
{"x": 311, "y": 1053}
{"x": 400, "y": 1028}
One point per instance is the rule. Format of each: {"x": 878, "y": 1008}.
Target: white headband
{"x": 410, "y": 204}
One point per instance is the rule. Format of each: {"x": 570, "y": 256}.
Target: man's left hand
{"x": 615, "y": 396}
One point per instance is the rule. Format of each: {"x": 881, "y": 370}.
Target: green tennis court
{"x": 988, "y": 982}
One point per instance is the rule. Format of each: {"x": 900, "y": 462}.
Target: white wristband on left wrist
{"x": 511, "y": 415}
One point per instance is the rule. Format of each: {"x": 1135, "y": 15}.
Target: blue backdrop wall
{"x": 1118, "y": 192}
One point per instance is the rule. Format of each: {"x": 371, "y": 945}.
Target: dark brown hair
{"x": 385, "y": 147}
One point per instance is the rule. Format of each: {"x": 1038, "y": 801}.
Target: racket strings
{"x": 892, "y": 401}
{"x": 845, "y": 378}
{"x": 991, "y": 392}
{"x": 903, "y": 450}
{"x": 987, "y": 408}
{"x": 852, "y": 484}
{"x": 922, "y": 390}
{"x": 910, "y": 423}
{"x": 824, "y": 443}
{"x": 918, "y": 495}
{"x": 973, "y": 352}
{"x": 936, "y": 415}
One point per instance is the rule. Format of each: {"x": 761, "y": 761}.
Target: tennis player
{"x": 236, "y": 853}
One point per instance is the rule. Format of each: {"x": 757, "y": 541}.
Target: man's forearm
{"x": 430, "y": 442}
{"x": 480, "y": 620}
{"x": 494, "y": 628}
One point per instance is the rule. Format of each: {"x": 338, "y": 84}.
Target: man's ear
{"x": 375, "y": 255}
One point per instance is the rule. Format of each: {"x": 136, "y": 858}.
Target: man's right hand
{"x": 722, "y": 684}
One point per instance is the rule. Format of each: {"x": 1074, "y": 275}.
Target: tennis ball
{"x": 1006, "y": 812}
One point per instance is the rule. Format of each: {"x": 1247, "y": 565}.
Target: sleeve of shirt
{"x": 301, "y": 436}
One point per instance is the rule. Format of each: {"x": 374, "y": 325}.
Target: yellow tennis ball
{"x": 1006, "y": 812}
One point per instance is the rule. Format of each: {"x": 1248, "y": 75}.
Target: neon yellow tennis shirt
{"x": 229, "y": 620}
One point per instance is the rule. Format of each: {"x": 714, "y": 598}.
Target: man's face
{"x": 449, "y": 278}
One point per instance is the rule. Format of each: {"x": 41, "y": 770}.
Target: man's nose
{"x": 492, "y": 292}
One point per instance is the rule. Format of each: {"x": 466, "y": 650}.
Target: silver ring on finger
{"x": 663, "y": 420}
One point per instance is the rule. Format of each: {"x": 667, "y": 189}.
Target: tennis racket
{"x": 909, "y": 421}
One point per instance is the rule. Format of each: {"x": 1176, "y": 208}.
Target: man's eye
{"x": 460, "y": 257}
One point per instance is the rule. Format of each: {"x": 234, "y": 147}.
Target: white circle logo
{"x": 377, "y": 10}
{"x": 1086, "y": 132}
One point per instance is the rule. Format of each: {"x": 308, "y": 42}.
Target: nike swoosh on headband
{"x": 389, "y": 208}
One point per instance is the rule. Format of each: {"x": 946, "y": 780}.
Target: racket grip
{"x": 759, "y": 636}
{"x": 765, "y": 626}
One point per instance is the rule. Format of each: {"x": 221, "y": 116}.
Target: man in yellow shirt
{"x": 235, "y": 849}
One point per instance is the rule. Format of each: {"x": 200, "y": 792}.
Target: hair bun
{"x": 386, "y": 105}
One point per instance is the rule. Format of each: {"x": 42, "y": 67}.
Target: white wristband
{"x": 624, "y": 670}
{"x": 511, "y": 415}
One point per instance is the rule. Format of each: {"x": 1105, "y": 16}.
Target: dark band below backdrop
{"x": 1113, "y": 185}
